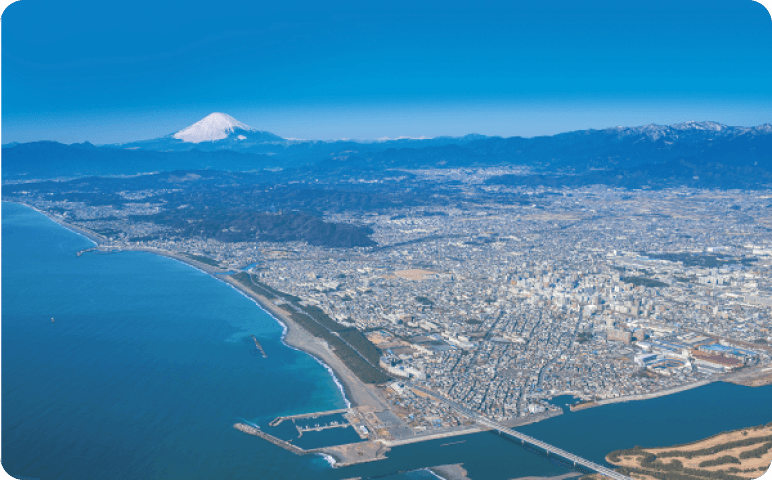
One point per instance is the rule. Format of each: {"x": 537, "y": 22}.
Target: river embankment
{"x": 754, "y": 377}
{"x": 645, "y": 396}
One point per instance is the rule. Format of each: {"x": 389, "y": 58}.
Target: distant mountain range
{"x": 652, "y": 155}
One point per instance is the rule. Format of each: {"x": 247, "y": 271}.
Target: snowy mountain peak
{"x": 714, "y": 126}
{"x": 706, "y": 129}
{"x": 214, "y": 126}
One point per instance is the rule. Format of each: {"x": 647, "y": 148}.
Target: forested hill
{"x": 240, "y": 226}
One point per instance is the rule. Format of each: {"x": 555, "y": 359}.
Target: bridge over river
{"x": 486, "y": 422}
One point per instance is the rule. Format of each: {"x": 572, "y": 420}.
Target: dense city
{"x": 594, "y": 292}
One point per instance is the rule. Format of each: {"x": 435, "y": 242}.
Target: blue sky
{"x": 112, "y": 72}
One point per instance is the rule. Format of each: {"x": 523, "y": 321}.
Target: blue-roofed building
{"x": 730, "y": 352}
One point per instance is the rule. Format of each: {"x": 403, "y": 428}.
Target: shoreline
{"x": 355, "y": 393}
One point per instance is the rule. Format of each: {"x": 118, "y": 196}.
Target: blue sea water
{"x": 145, "y": 369}
{"x": 149, "y": 363}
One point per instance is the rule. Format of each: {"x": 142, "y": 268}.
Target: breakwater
{"x": 99, "y": 248}
{"x": 259, "y": 347}
{"x": 276, "y": 441}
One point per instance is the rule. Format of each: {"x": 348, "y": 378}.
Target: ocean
{"x": 148, "y": 363}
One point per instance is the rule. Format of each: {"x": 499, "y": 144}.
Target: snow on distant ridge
{"x": 214, "y": 126}
{"x": 712, "y": 129}
{"x": 403, "y": 137}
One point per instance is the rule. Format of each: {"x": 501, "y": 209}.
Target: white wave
{"x": 330, "y": 459}
{"x": 433, "y": 473}
{"x": 334, "y": 379}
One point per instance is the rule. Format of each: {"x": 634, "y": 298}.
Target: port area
{"x": 367, "y": 449}
{"x": 378, "y": 432}
{"x": 344, "y": 455}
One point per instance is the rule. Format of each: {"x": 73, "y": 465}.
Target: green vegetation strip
{"x": 261, "y": 288}
{"x": 353, "y": 360}
{"x": 644, "y": 281}
{"x": 686, "y": 474}
{"x": 359, "y": 341}
{"x": 203, "y": 259}
{"x": 718, "y": 448}
{"x": 720, "y": 461}
{"x": 675, "y": 470}
{"x": 319, "y": 324}
{"x": 696, "y": 260}
{"x": 638, "y": 450}
{"x": 756, "y": 452}
{"x": 423, "y": 301}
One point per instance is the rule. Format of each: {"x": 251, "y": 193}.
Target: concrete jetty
{"x": 100, "y": 248}
{"x": 276, "y": 421}
{"x": 301, "y": 430}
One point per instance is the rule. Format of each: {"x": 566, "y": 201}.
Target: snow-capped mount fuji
{"x": 216, "y": 131}
{"x": 215, "y": 126}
